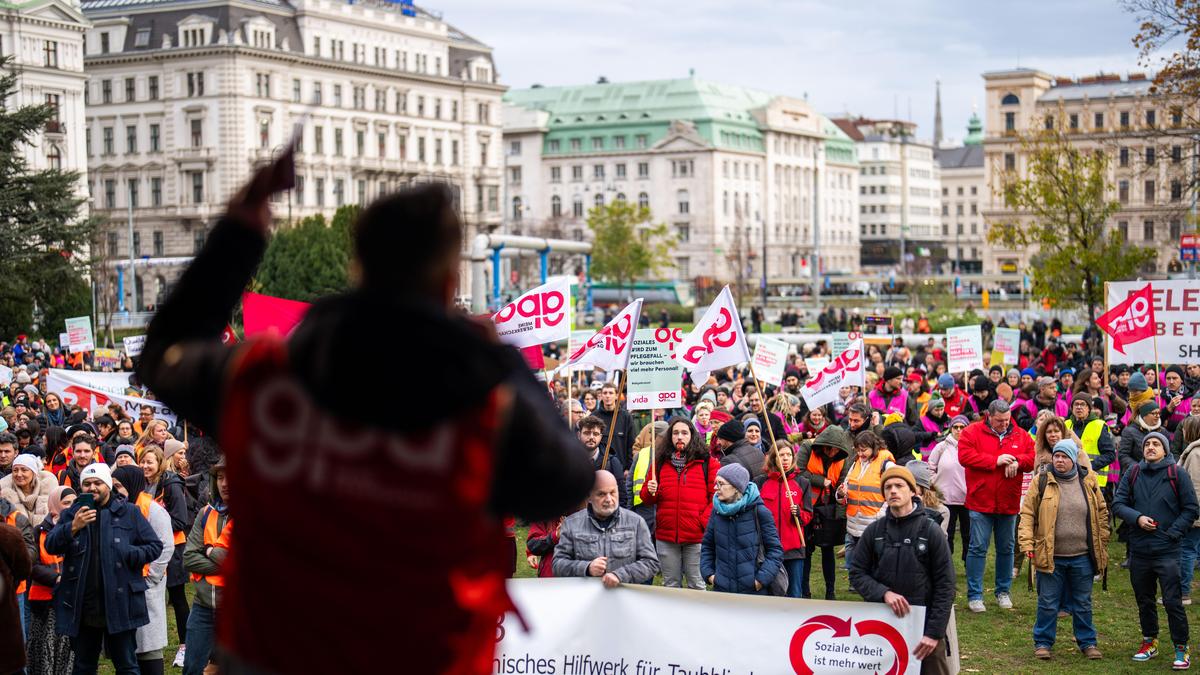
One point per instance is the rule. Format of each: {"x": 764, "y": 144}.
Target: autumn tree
{"x": 627, "y": 246}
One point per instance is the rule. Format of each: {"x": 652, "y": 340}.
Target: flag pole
{"x": 762, "y": 394}
{"x": 613, "y": 425}
{"x": 1106, "y": 341}
{"x": 570, "y": 408}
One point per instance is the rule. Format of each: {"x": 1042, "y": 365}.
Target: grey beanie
{"x": 1137, "y": 381}
{"x": 922, "y": 472}
{"x": 736, "y": 475}
{"x": 1166, "y": 443}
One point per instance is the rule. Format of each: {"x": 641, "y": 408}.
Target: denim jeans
{"x": 1071, "y": 577}
{"x": 983, "y": 525}
{"x": 1189, "y": 554}
{"x": 795, "y": 570}
{"x": 201, "y": 632}
{"x": 121, "y": 649}
{"x": 23, "y": 610}
{"x": 851, "y": 542}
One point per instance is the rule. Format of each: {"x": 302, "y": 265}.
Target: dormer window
{"x": 195, "y": 31}
{"x": 261, "y": 39}
{"x": 193, "y": 37}
{"x": 142, "y": 38}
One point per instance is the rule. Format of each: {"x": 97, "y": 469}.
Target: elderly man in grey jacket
{"x": 605, "y": 540}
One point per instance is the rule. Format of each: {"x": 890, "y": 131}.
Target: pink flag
{"x": 610, "y": 347}
{"x": 537, "y": 317}
{"x": 1130, "y": 321}
{"x": 716, "y": 342}
{"x": 262, "y": 312}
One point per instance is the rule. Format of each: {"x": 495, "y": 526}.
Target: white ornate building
{"x": 185, "y": 99}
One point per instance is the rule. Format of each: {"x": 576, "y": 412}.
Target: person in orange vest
{"x": 167, "y": 488}
{"x": 204, "y": 556}
{"x": 49, "y": 652}
{"x": 83, "y": 453}
{"x": 13, "y": 516}
{"x": 490, "y": 446}
{"x": 14, "y": 564}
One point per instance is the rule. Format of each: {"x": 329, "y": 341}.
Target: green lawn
{"x": 1001, "y": 641}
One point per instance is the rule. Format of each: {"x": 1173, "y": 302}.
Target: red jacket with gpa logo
{"x": 988, "y": 490}
{"x": 684, "y": 500}
{"x": 776, "y": 501}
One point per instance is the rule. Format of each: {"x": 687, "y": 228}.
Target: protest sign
{"x": 1008, "y": 342}
{"x": 653, "y": 378}
{"x": 106, "y": 358}
{"x": 716, "y": 342}
{"x": 847, "y": 370}
{"x": 840, "y": 342}
{"x": 261, "y": 313}
{"x": 92, "y": 390}
{"x": 964, "y": 347}
{"x": 1146, "y": 322}
{"x": 770, "y": 360}
{"x": 134, "y": 345}
{"x": 79, "y": 334}
{"x": 608, "y": 349}
{"x": 63, "y": 339}
{"x": 773, "y": 635}
{"x": 574, "y": 342}
{"x": 537, "y": 317}
{"x": 813, "y": 364}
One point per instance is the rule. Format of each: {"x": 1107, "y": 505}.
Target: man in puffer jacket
{"x": 739, "y": 524}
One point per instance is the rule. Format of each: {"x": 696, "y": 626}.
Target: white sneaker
{"x": 179, "y": 656}
{"x": 1004, "y": 601}
{"x": 977, "y": 606}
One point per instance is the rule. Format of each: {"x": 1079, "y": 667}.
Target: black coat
{"x": 748, "y": 456}
{"x": 622, "y": 436}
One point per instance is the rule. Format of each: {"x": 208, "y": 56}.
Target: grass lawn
{"x": 1001, "y": 641}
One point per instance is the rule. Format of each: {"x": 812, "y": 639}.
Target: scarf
{"x": 1065, "y": 475}
{"x": 735, "y": 507}
{"x": 55, "y": 502}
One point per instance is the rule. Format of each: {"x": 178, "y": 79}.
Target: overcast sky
{"x": 869, "y": 57}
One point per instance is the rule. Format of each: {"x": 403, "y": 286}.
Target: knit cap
{"x": 897, "y": 471}
{"x": 736, "y": 475}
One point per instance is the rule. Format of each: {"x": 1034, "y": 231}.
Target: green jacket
{"x": 196, "y": 560}
{"x": 835, "y": 437}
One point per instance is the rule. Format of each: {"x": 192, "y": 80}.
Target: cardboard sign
{"x": 770, "y": 360}
{"x": 654, "y": 378}
{"x": 79, "y": 334}
{"x": 1008, "y": 343}
{"x": 964, "y": 345}
{"x": 134, "y": 345}
{"x": 106, "y": 358}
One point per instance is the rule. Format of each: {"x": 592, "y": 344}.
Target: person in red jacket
{"x": 995, "y": 453}
{"x": 790, "y": 503}
{"x": 539, "y": 545}
{"x": 682, "y": 489}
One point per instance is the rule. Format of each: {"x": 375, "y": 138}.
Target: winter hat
{"x": 170, "y": 447}
{"x": 1045, "y": 381}
{"x": 982, "y": 383}
{"x": 1174, "y": 369}
{"x": 752, "y": 422}
{"x": 946, "y": 381}
{"x": 1161, "y": 439}
{"x": 960, "y": 419}
{"x": 1066, "y": 371}
{"x": 1012, "y": 371}
{"x": 937, "y": 403}
{"x": 897, "y": 471}
{"x": 1081, "y": 396}
{"x": 1030, "y": 372}
{"x": 736, "y": 475}
{"x": 96, "y": 470}
{"x": 22, "y": 378}
{"x": 710, "y": 397}
{"x": 1066, "y": 447}
{"x": 1147, "y": 408}
{"x": 922, "y": 473}
{"x": 732, "y": 430}
{"x": 29, "y": 462}
{"x": 914, "y": 376}
{"x": 124, "y": 449}
{"x": 892, "y": 372}
{"x": 132, "y": 478}
{"x": 892, "y": 418}
{"x": 1137, "y": 381}
{"x": 996, "y": 368}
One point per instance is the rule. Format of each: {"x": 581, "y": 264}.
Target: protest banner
{"x": 537, "y": 317}
{"x": 839, "y": 343}
{"x": 134, "y": 345}
{"x": 652, "y": 378}
{"x": 1008, "y": 342}
{"x": 964, "y": 347}
{"x": 717, "y": 341}
{"x": 1146, "y": 320}
{"x": 63, "y": 340}
{"x": 847, "y": 370}
{"x": 261, "y": 313}
{"x": 770, "y": 360}
{"x": 79, "y": 334}
{"x": 773, "y": 635}
{"x": 608, "y": 348}
{"x": 106, "y": 358}
{"x": 92, "y": 390}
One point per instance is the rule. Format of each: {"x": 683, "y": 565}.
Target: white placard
{"x": 1008, "y": 343}
{"x": 134, "y": 344}
{"x": 770, "y": 360}
{"x": 655, "y": 379}
{"x": 964, "y": 347}
{"x": 79, "y": 334}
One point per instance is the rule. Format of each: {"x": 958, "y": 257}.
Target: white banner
{"x": 134, "y": 344}
{"x": 568, "y": 634}
{"x": 964, "y": 347}
{"x": 654, "y": 379}
{"x": 1177, "y": 315}
{"x": 770, "y": 360}
{"x": 79, "y": 334}
{"x": 538, "y": 317}
{"x": 716, "y": 342}
{"x": 1008, "y": 343}
{"x": 91, "y": 390}
{"x": 849, "y": 369}
{"x": 608, "y": 349}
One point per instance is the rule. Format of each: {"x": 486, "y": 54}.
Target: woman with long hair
{"x": 54, "y": 413}
{"x": 862, "y": 493}
{"x": 788, "y": 497}
{"x": 156, "y": 432}
{"x": 1091, "y": 383}
{"x": 167, "y": 488}
{"x": 815, "y": 421}
{"x": 682, "y": 491}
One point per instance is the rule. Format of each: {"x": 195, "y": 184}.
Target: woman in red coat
{"x": 790, "y": 503}
{"x": 539, "y": 545}
{"x": 681, "y": 488}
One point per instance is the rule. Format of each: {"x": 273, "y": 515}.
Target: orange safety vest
{"x": 217, "y": 539}
{"x": 36, "y": 590}
{"x": 816, "y": 467}
{"x": 865, "y": 491}
{"x": 180, "y": 537}
{"x": 143, "y": 503}
{"x": 11, "y": 519}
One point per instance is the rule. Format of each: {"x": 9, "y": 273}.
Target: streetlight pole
{"x": 132, "y": 272}
{"x": 815, "y": 267}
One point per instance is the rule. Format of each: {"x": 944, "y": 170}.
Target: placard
{"x": 134, "y": 345}
{"x": 1008, "y": 342}
{"x": 79, "y": 334}
{"x": 964, "y": 346}
{"x": 655, "y": 379}
{"x": 770, "y": 360}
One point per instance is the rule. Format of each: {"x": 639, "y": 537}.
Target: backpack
{"x": 1172, "y": 477}
{"x": 779, "y": 585}
{"x": 920, "y": 544}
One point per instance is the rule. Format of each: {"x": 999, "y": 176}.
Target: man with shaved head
{"x": 606, "y": 541}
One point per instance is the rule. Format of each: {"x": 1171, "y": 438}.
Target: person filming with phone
{"x": 101, "y": 598}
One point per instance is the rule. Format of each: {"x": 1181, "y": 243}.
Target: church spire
{"x": 937, "y": 116}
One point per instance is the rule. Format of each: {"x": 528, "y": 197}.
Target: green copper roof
{"x": 838, "y": 146}
{"x": 974, "y": 131}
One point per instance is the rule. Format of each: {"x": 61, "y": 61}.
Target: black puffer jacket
{"x": 926, "y": 580}
{"x": 748, "y": 456}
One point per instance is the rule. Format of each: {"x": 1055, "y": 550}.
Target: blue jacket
{"x": 133, "y": 544}
{"x": 1153, "y": 496}
{"x": 729, "y": 551}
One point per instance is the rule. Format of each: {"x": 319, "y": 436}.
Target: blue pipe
{"x": 587, "y": 267}
{"x": 120, "y": 288}
{"x": 496, "y": 277}
{"x": 544, "y": 254}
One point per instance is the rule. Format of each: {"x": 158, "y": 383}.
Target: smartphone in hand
{"x": 86, "y": 499}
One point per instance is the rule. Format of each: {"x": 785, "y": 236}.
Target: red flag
{"x": 1130, "y": 321}
{"x": 228, "y": 337}
{"x": 262, "y": 312}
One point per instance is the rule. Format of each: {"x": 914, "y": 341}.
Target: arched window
{"x": 555, "y": 206}
{"x": 599, "y": 199}
{"x": 1010, "y": 99}
{"x": 643, "y": 200}
{"x": 682, "y": 198}
{"x": 516, "y": 208}
{"x": 577, "y": 207}
{"x": 621, "y": 197}
{"x": 54, "y": 157}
